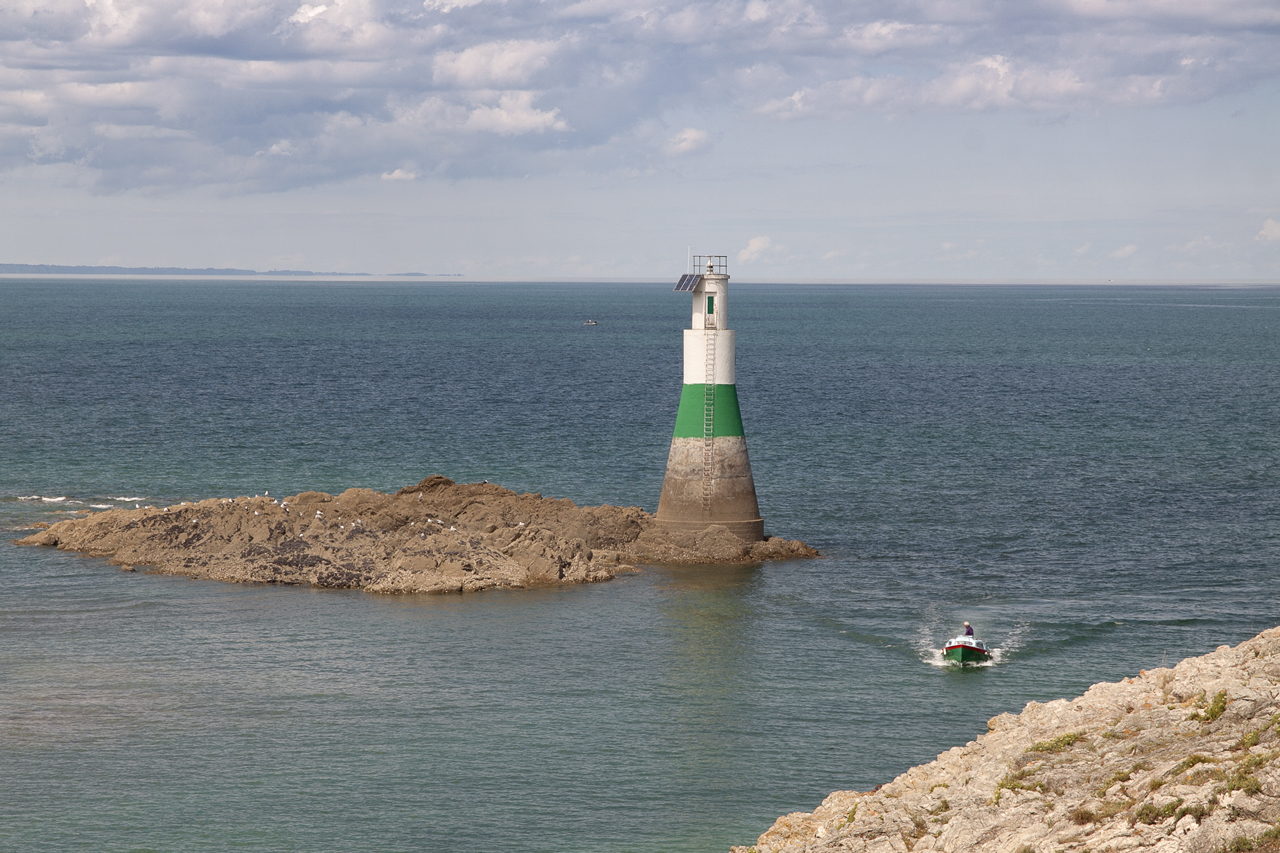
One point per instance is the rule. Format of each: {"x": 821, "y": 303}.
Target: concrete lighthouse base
{"x": 683, "y": 507}
{"x": 696, "y": 495}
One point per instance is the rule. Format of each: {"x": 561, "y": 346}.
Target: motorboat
{"x": 966, "y": 649}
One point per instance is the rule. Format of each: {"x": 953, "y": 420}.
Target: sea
{"x": 1090, "y": 475}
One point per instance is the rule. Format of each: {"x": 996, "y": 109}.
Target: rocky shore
{"x": 1180, "y": 760}
{"x": 437, "y": 536}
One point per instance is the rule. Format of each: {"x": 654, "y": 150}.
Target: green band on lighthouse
{"x": 727, "y": 419}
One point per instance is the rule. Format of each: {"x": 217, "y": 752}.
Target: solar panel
{"x": 688, "y": 282}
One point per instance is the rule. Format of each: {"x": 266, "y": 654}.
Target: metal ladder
{"x": 708, "y": 417}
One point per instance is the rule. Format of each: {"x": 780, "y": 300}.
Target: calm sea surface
{"x": 1089, "y": 475}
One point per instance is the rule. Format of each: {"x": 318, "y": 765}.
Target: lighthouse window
{"x": 711, "y": 305}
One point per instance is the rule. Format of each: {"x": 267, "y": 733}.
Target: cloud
{"x": 514, "y": 114}
{"x": 687, "y": 141}
{"x": 1270, "y": 231}
{"x": 1124, "y": 251}
{"x": 493, "y": 65}
{"x": 169, "y": 92}
{"x": 399, "y": 175}
{"x": 1196, "y": 246}
{"x": 306, "y": 13}
{"x": 756, "y": 247}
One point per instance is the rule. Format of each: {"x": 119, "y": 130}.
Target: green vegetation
{"x": 1215, "y": 709}
{"x": 1015, "y": 782}
{"x": 1267, "y": 842}
{"x": 1199, "y": 811}
{"x": 1253, "y": 762}
{"x": 1248, "y": 741}
{"x": 1149, "y": 814}
{"x": 1189, "y": 762}
{"x": 1058, "y": 744}
{"x": 1206, "y": 774}
{"x": 1082, "y": 815}
{"x": 1247, "y": 782}
{"x": 1242, "y": 778}
{"x": 1122, "y": 776}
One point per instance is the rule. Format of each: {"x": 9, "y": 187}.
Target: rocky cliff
{"x": 1180, "y": 760}
{"x": 436, "y": 536}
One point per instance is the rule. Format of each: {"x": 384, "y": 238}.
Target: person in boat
{"x": 968, "y": 630}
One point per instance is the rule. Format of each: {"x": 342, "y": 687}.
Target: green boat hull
{"x": 965, "y": 654}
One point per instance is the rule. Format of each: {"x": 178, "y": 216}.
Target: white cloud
{"x": 306, "y": 13}
{"x": 1270, "y": 231}
{"x": 514, "y": 115}
{"x": 212, "y": 83}
{"x": 1083, "y": 249}
{"x": 1124, "y": 251}
{"x": 494, "y": 65}
{"x": 400, "y": 175}
{"x": 879, "y": 37}
{"x": 756, "y": 247}
{"x": 447, "y": 5}
{"x": 687, "y": 141}
{"x": 1196, "y": 246}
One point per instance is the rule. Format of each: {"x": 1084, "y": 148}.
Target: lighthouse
{"x": 708, "y": 480}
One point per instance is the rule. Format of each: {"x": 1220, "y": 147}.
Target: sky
{"x": 859, "y": 140}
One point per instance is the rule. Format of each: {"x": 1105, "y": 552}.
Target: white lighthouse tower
{"x": 708, "y": 480}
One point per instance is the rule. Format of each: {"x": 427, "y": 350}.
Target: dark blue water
{"x": 1089, "y": 475}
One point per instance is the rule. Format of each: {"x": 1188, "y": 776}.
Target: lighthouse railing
{"x": 719, "y": 264}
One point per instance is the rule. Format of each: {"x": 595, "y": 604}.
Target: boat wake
{"x": 933, "y": 657}
{"x": 929, "y": 647}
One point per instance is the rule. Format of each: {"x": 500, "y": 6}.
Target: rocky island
{"x": 1180, "y": 760}
{"x": 437, "y": 536}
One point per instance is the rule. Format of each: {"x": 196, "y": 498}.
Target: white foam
{"x": 101, "y": 506}
{"x": 934, "y": 658}
{"x": 53, "y": 500}
{"x": 126, "y": 499}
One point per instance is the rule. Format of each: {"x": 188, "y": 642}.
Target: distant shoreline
{"x": 110, "y": 272}
{"x": 63, "y": 269}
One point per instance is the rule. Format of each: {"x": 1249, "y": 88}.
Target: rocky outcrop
{"x": 1180, "y": 760}
{"x": 436, "y": 536}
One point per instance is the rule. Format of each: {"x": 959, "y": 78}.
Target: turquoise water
{"x": 1089, "y": 475}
